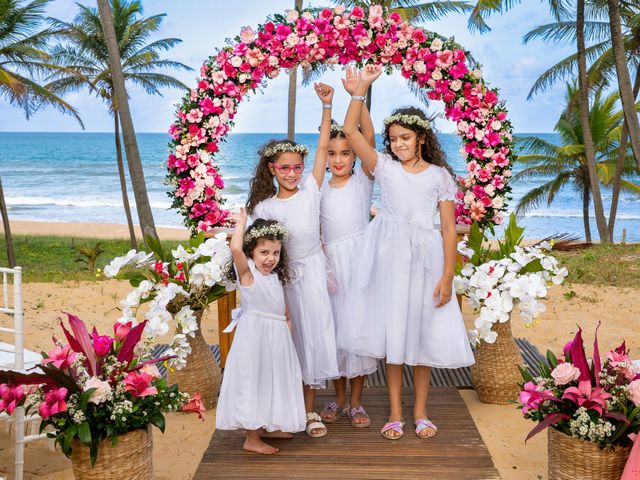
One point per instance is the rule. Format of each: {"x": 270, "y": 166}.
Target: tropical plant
{"x": 293, "y": 90}
{"x": 566, "y": 162}
{"x": 85, "y": 55}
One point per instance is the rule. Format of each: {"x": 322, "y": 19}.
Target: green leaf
{"x": 533, "y": 266}
{"x": 84, "y": 399}
{"x": 84, "y": 433}
{"x": 552, "y": 359}
{"x": 134, "y": 277}
{"x": 216, "y": 292}
{"x": 525, "y": 373}
{"x": 197, "y": 240}
{"x": 157, "y": 419}
{"x": 155, "y": 246}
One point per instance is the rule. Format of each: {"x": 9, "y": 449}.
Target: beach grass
{"x": 603, "y": 265}
{"x": 55, "y": 258}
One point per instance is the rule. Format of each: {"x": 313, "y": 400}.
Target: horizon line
{"x": 230, "y": 133}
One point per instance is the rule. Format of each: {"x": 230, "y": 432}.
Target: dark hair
{"x": 431, "y": 151}
{"x": 339, "y": 134}
{"x": 282, "y": 269}
{"x": 261, "y": 185}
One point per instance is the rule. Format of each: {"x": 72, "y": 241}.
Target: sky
{"x": 203, "y": 26}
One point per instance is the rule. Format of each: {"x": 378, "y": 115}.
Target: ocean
{"x": 73, "y": 177}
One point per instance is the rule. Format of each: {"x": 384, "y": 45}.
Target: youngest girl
{"x": 262, "y": 386}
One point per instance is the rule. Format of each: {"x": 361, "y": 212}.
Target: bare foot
{"x": 275, "y": 434}
{"x": 427, "y": 431}
{"x": 392, "y": 433}
{"x": 258, "y": 446}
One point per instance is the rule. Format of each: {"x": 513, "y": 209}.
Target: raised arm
{"x": 352, "y": 77}
{"x": 239, "y": 258}
{"x": 357, "y": 140}
{"x": 325, "y": 94}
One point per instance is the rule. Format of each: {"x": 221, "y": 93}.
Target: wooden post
{"x": 461, "y": 231}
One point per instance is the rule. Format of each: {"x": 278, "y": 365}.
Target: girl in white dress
{"x": 296, "y": 205}
{"x": 261, "y": 389}
{"x": 401, "y": 300}
{"x": 344, "y": 213}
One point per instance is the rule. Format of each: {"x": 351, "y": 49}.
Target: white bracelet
{"x": 359, "y": 97}
{"x": 326, "y": 105}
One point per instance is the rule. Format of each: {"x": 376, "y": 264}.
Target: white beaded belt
{"x": 236, "y": 313}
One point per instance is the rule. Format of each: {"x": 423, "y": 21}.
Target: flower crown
{"x": 407, "y": 120}
{"x": 336, "y": 127}
{"x": 282, "y": 147}
{"x": 274, "y": 229}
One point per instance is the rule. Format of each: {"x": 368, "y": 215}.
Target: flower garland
{"x": 330, "y": 37}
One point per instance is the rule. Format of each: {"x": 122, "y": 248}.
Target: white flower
{"x": 497, "y": 202}
{"x": 236, "y": 61}
{"x": 419, "y": 67}
{"x": 455, "y": 85}
{"x": 436, "y": 74}
{"x": 207, "y": 274}
{"x": 112, "y": 269}
{"x": 157, "y": 322}
{"x": 436, "y": 44}
{"x": 102, "y": 392}
{"x": 213, "y": 246}
{"x": 496, "y": 125}
{"x": 292, "y": 15}
{"x": 181, "y": 254}
{"x": 187, "y": 321}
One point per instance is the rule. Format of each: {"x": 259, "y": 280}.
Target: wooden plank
{"x": 457, "y": 452}
{"x": 226, "y": 304}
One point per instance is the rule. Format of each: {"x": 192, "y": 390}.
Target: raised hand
{"x": 352, "y": 77}
{"x": 370, "y": 73}
{"x": 239, "y": 219}
{"x": 324, "y": 92}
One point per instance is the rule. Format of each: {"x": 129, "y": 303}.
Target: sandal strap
{"x": 315, "y": 426}
{"x": 358, "y": 410}
{"x": 397, "y": 426}
{"x": 331, "y": 406}
{"x": 423, "y": 423}
{"x": 313, "y": 416}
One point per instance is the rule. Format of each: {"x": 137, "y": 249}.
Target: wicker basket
{"x": 574, "y": 459}
{"x": 131, "y": 458}
{"x": 202, "y": 373}
{"x": 495, "y": 375}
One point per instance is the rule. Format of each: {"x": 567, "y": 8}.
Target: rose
{"x": 565, "y": 373}
{"x": 634, "y": 392}
{"x": 121, "y": 330}
{"x": 101, "y": 344}
{"x": 292, "y": 15}
{"x": 436, "y": 44}
{"x": 247, "y": 35}
{"x": 102, "y": 392}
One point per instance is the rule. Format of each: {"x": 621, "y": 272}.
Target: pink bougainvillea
{"x": 338, "y": 37}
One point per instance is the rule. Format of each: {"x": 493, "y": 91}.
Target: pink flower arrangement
{"x": 92, "y": 378}
{"x": 329, "y": 37}
{"x": 591, "y": 400}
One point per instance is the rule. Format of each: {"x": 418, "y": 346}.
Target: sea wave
{"x": 73, "y": 202}
{"x": 547, "y": 214}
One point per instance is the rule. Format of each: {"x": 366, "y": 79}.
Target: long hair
{"x": 338, "y": 133}
{"x": 430, "y": 151}
{"x": 261, "y": 185}
{"x": 282, "y": 269}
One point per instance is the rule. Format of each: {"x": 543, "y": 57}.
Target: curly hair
{"x": 281, "y": 269}
{"x": 261, "y": 185}
{"x": 431, "y": 151}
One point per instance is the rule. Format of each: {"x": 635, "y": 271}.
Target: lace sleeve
{"x": 447, "y": 187}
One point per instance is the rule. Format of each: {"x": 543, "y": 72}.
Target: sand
{"x": 178, "y": 452}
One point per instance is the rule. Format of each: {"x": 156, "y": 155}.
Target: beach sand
{"x": 178, "y": 452}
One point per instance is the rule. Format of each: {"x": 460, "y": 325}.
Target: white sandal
{"x": 314, "y": 422}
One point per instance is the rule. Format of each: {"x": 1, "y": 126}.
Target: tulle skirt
{"x": 310, "y": 312}
{"x": 262, "y": 384}
{"x": 341, "y": 257}
{"x": 394, "y": 314}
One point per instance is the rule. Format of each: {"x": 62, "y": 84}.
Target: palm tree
{"x": 85, "y": 53}
{"x": 293, "y": 87}
{"x": 567, "y": 163}
{"x": 22, "y": 55}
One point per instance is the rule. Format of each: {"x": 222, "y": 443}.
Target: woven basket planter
{"x": 131, "y": 458}
{"x": 202, "y": 373}
{"x": 495, "y": 374}
{"x": 574, "y": 459}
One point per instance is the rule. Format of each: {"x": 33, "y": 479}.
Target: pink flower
{"x": 61, "y": 357}
{"x": 120, "y": 330}
{"x": 151, "y": 369}
{"x": 53, "y": 402}
{"x": 10, "y": 397}
{"x": 139, "y": 384}
{"x": 565, "y": 373}
{"x": 585, "y": 396}
{"x": 633, "y": 392}
{"x": 533, "y": 395}
{"x": 247, "y": 35}
{"x": 615, "y": 358}
{"x": 101, "y": 343}
{"x": 195, "y": 405}
{"x": 357, "y": 12}
{"x": 194, "y": 116}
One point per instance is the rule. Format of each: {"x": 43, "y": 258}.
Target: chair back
{"x": 11, "y": 305}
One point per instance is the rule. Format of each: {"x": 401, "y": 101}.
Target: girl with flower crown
{"x": 296, "y": 204}
{"x": 402, "y": 287}
{"x": 261, "y": 390}
{"x": 344, "y": 214}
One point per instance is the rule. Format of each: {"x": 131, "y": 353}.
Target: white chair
{"x": 15, "y": 357}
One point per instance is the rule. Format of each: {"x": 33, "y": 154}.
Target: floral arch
{"x": 332, "y": 37}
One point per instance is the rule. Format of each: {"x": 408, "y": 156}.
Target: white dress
{"x": 306, "y": 295}
{"x": 401, "y": 259}
{"x": 262, "y": 383}
{"x": 344, "y": 214}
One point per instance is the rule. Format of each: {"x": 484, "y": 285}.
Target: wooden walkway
{"x": 457, "y": 452}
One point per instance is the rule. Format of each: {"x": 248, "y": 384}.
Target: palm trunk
{"x": 11, "y": 256}
{"x": 583, "y": 101}
{"x": 293, "y": 87}
{"x": 624, "y": 79}
{"x": 622, "y": 153}
{"x": 136, "y": 173}
{"x": 123, "y": 183}
{"x": 585, "y": 213}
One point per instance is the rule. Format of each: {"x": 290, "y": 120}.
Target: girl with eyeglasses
{"x": 295, "y": 203}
